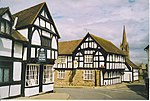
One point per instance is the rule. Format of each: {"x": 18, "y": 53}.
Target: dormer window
{"x": 5, "y": 26}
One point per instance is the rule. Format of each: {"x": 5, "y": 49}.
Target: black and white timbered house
{"x": 38, "y": 27}
{"x": 28, "y": 49}
{"x": 131, "y": 72}
{"x": 11, "y": 56}
{"x": 91, "y": 61}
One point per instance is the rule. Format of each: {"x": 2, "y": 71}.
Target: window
{"x": 5, "y": 72}
{"x": 32, "y": 75}
{"x": 88, "y": 58}
{"x": 61, "y": 74}
{"x": 46, "y": 41}
{"x": 48, "y": 74}
{"x": 5, "y": 27}
{"x": 62, "y": 59}
{"x": 88, "y": 75}
{"x": 2, "y": 27}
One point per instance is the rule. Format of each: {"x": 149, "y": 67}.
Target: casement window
{"x": 88, "y": 58}
{"x": 61, "y": 74}
{"x": 62, "y": 59}
{"x": 88, "y": 75}
{"x": 46, "y": 41}
{"x": 47, "y": 74}
{"x": 5, "y": 68}
{"x": 32, "y": 75}
{"x": 5, "y": 27}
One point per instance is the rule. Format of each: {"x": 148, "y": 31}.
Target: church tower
{"x": 124, "y": 45}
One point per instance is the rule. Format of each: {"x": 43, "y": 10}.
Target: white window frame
{"x": 88, "y": 58}
{"x": 47, "y": 74}
{"x": 61, "y": 74}
{"x": 32, "y": 79}
{"x": 88, "y": 75}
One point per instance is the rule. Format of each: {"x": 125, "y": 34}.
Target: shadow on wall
{"x": 140, "y": 90}
{"x": 71, "y": 77}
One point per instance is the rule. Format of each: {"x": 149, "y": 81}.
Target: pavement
{"x": 65, "y": 96}
{"x": 46, "y": 96}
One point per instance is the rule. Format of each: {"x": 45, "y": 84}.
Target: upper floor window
{"x": 5, "y": 72}
{"x": 88, "y": 58}
{"x": 62, "y": 59}
{"x": 46, "y": 41}
{"x": 5, "y": 26}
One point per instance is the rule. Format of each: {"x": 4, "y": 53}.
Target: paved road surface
{"x": 128, "y": 92}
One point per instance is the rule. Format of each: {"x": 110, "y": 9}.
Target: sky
{"x": 103, "y": 18}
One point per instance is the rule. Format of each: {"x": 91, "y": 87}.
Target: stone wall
{"x": 76, "y": 78}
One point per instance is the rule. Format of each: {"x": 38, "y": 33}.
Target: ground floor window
{"x": 32, "y": 75}
{"x": 61, "y": 74}
{"x": 88, "y": 75}
{"x": 5, "y": 68}
{"x": 47, "y": 74}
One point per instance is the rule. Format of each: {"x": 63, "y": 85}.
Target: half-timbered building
{"x": 38, "y": 27}
{"x": 91, "y": 61}
{"x": 11, "y": 56}
{"x": 28, "y": 49}
{"x": 131, "y": 70}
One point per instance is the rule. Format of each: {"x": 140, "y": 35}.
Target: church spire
{"x": 124, "y": 45}
{"x": 124, "y": 40}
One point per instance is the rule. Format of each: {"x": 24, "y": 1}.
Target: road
{"x": 127, "y": 92}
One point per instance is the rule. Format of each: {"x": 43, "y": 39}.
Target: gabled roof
{"x": 107, "y": 45}
{"x": 131, "y": 64}
{"x": 67, "y": 47}
{"x": 27, "y": 16}
{"x": 17, "y": 36}
{"x": 3, "y": 10}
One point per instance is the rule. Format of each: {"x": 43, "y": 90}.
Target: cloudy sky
{"x": 104, "y": 18}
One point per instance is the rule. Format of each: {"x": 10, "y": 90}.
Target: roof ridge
{"x": 29, "y": 8}
{"x": 71, "y": 40}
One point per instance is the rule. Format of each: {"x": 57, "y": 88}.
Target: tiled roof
{"x": 130, "y": 63}
{"x": 27, "y": 16}
{"x": 17, "y": 36}
{"x": 67, "y": 47}
{"x": 107, "y": 45}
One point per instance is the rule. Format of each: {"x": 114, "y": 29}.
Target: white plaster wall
{"x": 48, "y": 54}
{"x": 127, "y": 76}
{"x": 15, "y": 90}
{"x": 18, "y": 50}
{"x": 24, "y": 32}
{"x": 42, "y": 22}
{"x": 53, "y": 54}
{"x": 36, "y": 22}
{"x": 17, "y": 71}
{"x": 36, "y": 38}
{"x": 44, "y": 33}
{"x": 49, "y": 87}
{"x": 4, "y": 91}
{"x": 101, "y": 75}
{"x": 32, "y": 52}
{"x": 5, "y": 47}
{"x": 25, "y": 54}
{"x": 31, "y": 91}
{"x": 6, "y": 16}
{"x": 54, "y": 43}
